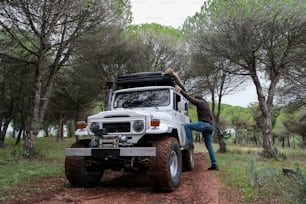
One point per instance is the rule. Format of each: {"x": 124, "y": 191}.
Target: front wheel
{"x": 77, "y": 172}
{"x": 166, "y": 167}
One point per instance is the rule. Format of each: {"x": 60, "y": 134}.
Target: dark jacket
{"x": 203, "y": 110}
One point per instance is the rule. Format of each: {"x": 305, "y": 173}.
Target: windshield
{"x": 146, "y": 98}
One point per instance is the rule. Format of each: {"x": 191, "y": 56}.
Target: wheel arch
{"x": 153, "y": 137}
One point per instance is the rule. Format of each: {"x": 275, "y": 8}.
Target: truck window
{"x": 140, "y": 99}
{"x": 177, "y": 99}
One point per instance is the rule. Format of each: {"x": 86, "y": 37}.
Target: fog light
{"x": 123, "y": 138}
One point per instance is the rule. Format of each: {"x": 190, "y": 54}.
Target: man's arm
{"x": 192, "y": 100}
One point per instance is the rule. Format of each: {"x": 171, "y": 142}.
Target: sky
{"x": 173, "y": 13}
{"x": 166, "y": 12}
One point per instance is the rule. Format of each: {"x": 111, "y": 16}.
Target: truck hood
{"x": 148, "y": 113}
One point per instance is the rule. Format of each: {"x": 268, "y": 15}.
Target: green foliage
{"x": 300, "y": 180}
{"x": 229, "y": 113}
{"x": 268, "y": 180}
{"x": 291, "y": 121}
{"x": 261, "y": 181}
{"x": 235, "y": 8}
{"x": 15, "y": 170}
{"x": 302, "y": 194}
{"x": 124, "y": 10}
{"x": 232, "y": 113}
{"x": 154, "y": 28}
{"x": 153, "y": 47}
{"x": 193, "y": 113}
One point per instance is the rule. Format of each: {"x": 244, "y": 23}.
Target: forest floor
{"x": 199, "y": 186}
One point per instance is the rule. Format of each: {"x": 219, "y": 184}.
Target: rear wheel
{"x": 188, "y": 159}
{"x": 166, "y": 166}
{"x": 77, "y": 171}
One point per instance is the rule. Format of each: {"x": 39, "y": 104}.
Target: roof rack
{"x": 142, "y": 79}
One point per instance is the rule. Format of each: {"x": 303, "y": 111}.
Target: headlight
{"x": 138, "y": 125}
{"x": 94, "y": 126}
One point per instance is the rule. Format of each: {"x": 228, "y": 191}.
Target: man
{"x": 204, "y": 125}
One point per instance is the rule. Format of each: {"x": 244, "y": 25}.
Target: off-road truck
{"x": 142, "y": 131}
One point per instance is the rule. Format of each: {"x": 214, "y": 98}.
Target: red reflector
{"x": 155, "y": 123}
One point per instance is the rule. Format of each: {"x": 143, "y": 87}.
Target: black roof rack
{"x": 141, "y": 79}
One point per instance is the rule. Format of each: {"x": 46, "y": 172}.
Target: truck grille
{"x": 117, "y": 127}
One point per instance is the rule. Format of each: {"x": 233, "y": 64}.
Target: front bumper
{"x": 111, "y": 152}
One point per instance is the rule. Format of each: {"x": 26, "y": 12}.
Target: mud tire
{"x": 188, "y": 159}
{"x": 77, "y": 173}
{"x": 166, "y": 167}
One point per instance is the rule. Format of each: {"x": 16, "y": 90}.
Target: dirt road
{"x": 197, "y": 187}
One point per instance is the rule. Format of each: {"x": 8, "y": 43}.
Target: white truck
{"x": 143, "y": 130}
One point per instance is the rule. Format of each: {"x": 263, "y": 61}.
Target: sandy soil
{"x": 199, "y": 186}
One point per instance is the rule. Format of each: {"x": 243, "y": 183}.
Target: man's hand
{"x": 178, "y": 88}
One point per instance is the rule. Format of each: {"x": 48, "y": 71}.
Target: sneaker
{"x": 213, "y": 167}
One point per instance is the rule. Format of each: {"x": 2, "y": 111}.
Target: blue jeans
{"x": 207, "y": 131}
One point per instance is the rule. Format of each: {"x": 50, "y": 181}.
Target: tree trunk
{"x": 40, "y": 103}
{"x": 60, "y": 132}
{"x": 304, "y": 140}
{"x": 244, "y": 136}
{"x": 258, "y": 139}
{"x": 269, "y": 150}
{"x": 32, "y": 131}
{"x": 14, "y": 132}
{"x": 71, "y": 128}
{"x": 21, "y": 130}
{"x": 221, "y": 140}
{"x": 29, "y": 144}
{"x": 77, "y": 114}
{"x": 3, "y": 132}
{"x": 293, "y": 141}
{"x": 46, "y": 130}
{"x": 2, "y": 137}
{"x": 265, "y": 107}
{"x": 288, "y": 141}
{"x": 18, "y": 136}
{"x": 197, "y": 137}
{"x": 216, "y": 116}
{"x": 254, "y": 135}
{"x": 237, "y": 135}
